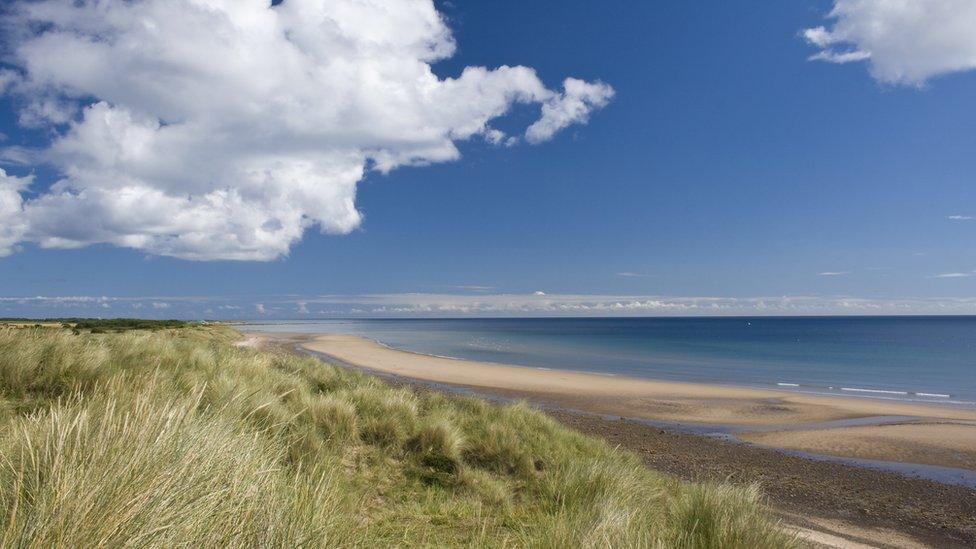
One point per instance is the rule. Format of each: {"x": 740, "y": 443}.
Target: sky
{"x": 233, "y": 159}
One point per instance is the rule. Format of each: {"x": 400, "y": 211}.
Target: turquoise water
{"x": 903, "y": 358}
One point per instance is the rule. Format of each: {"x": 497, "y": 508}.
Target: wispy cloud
{"x": 473, "y": 287}
{"x": 628, "y": 274}
{"x": 961, "y": 217}
{"x": 481, "y": 305}
{"x": 955, "y": 275}
{"x": 638, "y": 305}
{"x": 834, "y": 273}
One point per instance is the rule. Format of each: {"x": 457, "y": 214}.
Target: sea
{"x": 921, "y": 359}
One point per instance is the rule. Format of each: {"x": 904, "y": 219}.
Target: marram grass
{"x": 178, "y": 439}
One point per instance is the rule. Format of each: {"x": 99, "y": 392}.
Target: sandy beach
{"x": 862, "y": 507}
{"x": 915, "y": 433}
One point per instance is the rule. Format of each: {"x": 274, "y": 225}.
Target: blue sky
{"x": 726, "y": 165}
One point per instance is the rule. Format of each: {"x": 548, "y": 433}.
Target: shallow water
{"x": 931, "y": 359}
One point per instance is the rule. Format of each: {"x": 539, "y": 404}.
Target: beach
{"x": 894, "y": 430}
{"x": 838, "y": 498}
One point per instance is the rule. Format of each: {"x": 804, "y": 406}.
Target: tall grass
{"x": 177, "y": 438}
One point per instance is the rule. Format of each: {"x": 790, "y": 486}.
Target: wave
{"x": 887, "y": 394}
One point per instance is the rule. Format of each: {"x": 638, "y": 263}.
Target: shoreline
{"x": 729, "y": 433}
{"x": 781, "y": 387}
{"x": 827, "y": 499}
{"x": 852, "y": 427}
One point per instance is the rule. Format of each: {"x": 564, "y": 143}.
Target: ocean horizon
{"x": 909, "y": 358}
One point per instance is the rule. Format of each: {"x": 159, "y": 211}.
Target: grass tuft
{"x": 335, "y": 418}
{"x": 437, "y": 446}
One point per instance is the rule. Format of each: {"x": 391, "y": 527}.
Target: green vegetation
{"x": 97, "y": 325}
{"x": 178, "y": 438}
{"x": 123, "y": 324}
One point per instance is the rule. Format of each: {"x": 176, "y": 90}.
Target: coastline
{"x": 837, "y": 498}
{"x": 844, "y": 426}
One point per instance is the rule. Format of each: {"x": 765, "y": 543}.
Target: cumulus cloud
{"x": 572, "y": 106}
{"x": 903, "y": 41}
{"x": 12, "y": 223}
{"x": 223, "y": 129}
{"x": 961, "y": 217}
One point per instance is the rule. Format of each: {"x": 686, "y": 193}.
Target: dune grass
{"x": 178, "y": 438}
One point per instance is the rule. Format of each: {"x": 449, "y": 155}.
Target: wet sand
{"x": 930, "y": 443}
{"x": 841, "y": 505}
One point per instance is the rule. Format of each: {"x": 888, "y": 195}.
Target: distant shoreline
{"x": 868, "y": 358}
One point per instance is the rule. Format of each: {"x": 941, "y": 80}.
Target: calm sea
{"x": 904, "y": 358}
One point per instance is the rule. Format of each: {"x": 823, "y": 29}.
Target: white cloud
{"x": 834, "y": 273}
{"x": 223, "y": 129}
{"x": 573, "y": 106}
{"x": 955, "y": 275}
{"x": 960, "y": 217}
{"x": 473, "y": 287}
{"x": 491, "y": 305}
{"x": 629, "y": 274}
{"x": 539, "y": 293}
{"x": 56, "y": 300}
{"x": 12, "y": 223}
{"x": 631, "y": 305}
{"x": 494, "y": 136}
{"x": 160, "y": 305}
{"x": 301, "y": 307}
{"x": 903, "y": 41}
